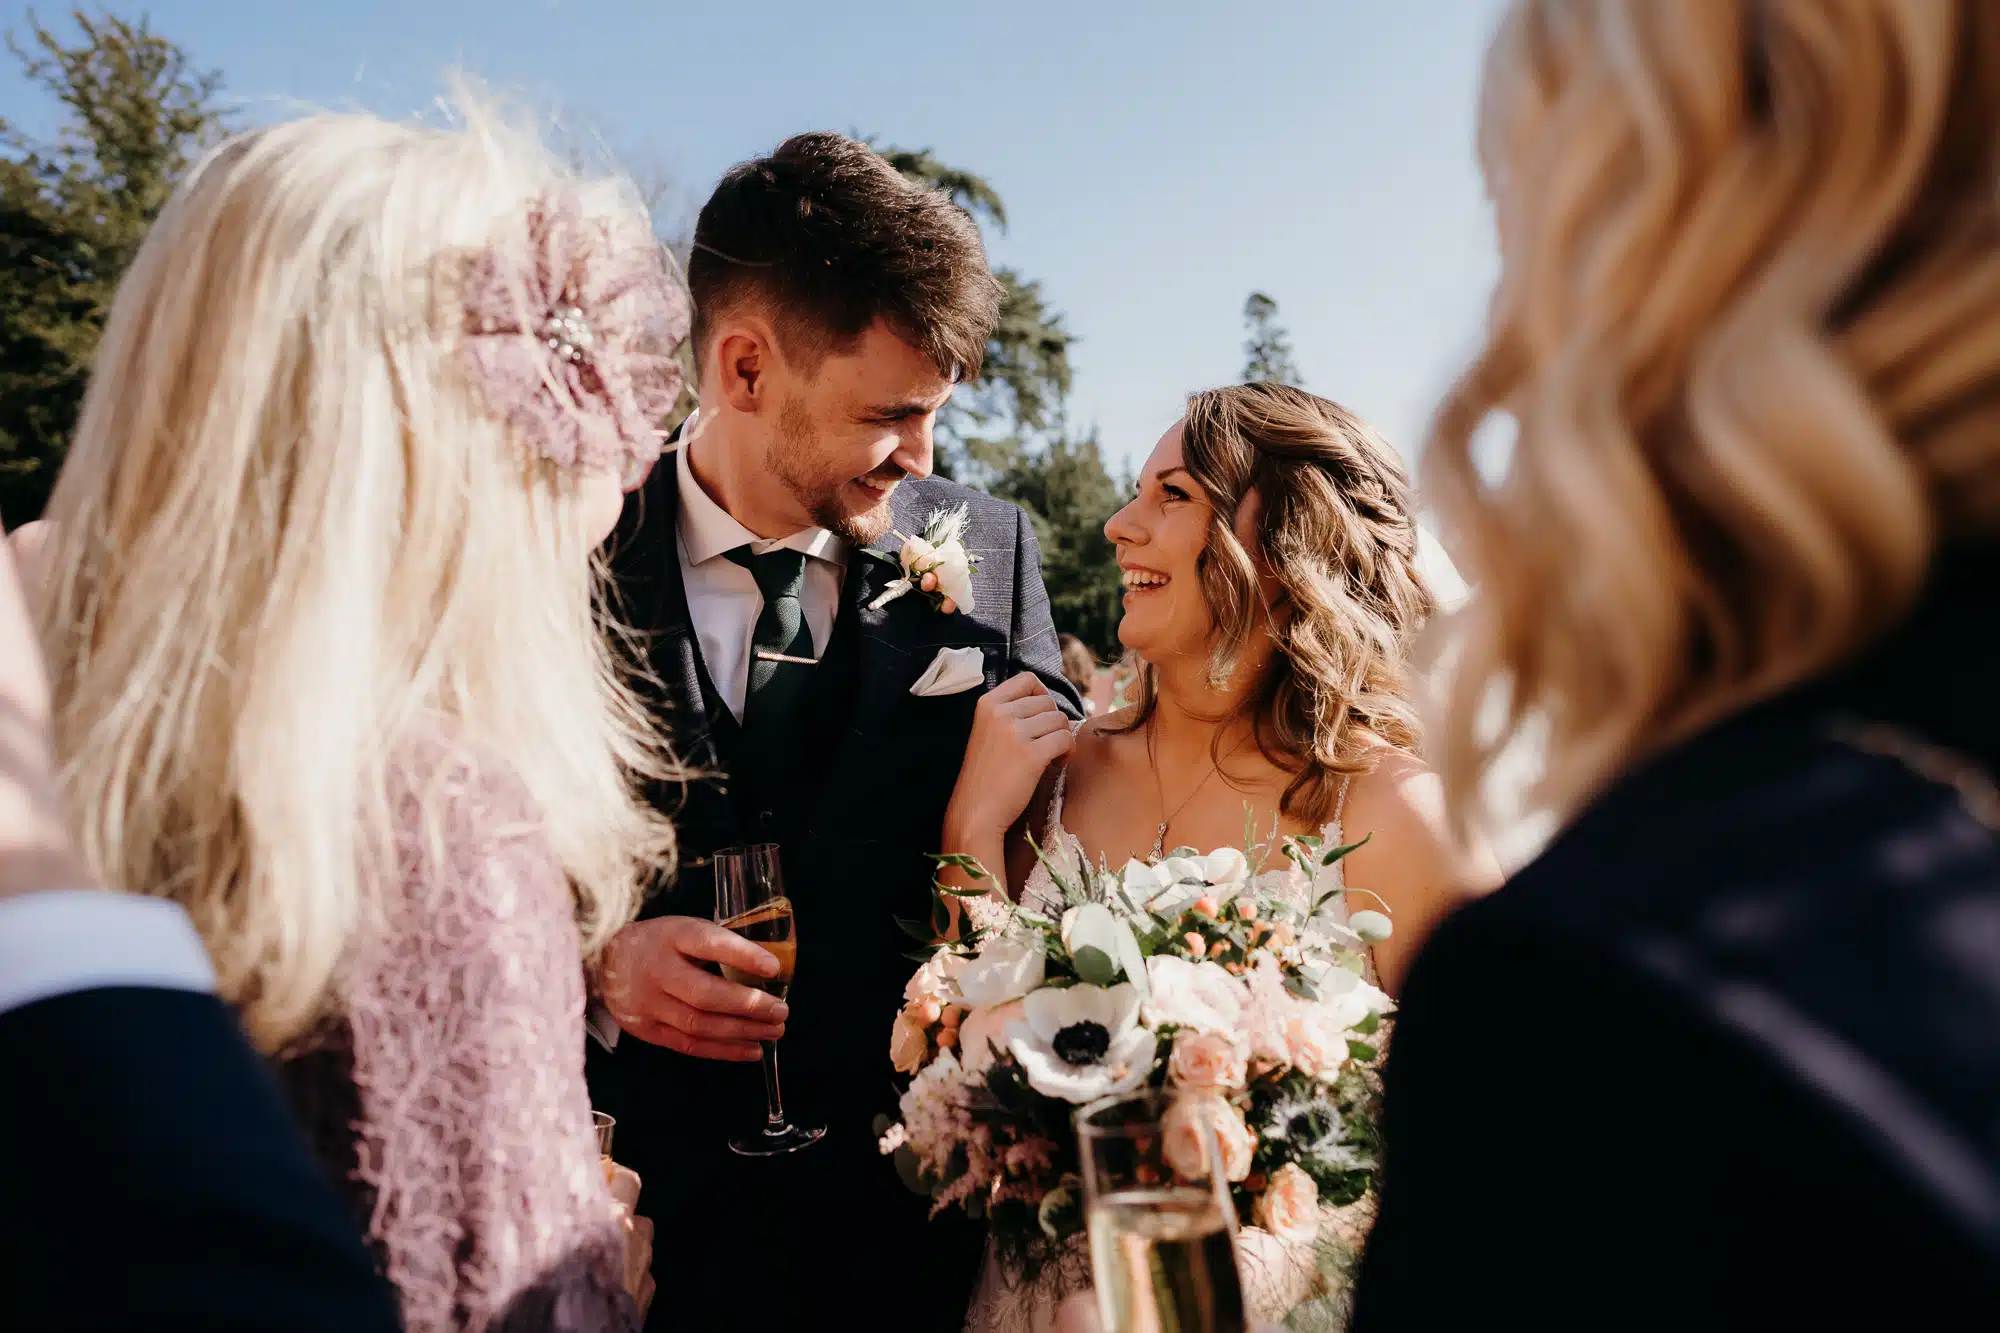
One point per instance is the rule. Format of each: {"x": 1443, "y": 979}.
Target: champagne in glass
{"x": 1162, "y": 1250}
{"x": 750, "y": 900}
{"x": 603, "y": 1125}
{"x": 769, "y": 927}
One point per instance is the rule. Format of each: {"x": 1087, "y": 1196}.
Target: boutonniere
{"x": 934, "y": 563}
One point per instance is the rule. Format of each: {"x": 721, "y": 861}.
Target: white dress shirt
{"x": 722, "y": 596}
{"x": 65, "y": 940}
{"x": 724, "y": 603}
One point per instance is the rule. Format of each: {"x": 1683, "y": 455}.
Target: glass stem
{"x": 774, "y": 1101}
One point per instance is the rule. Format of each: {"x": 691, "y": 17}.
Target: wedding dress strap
{"x": 1340, "y": 801}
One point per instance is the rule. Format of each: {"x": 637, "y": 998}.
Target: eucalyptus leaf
{"x": 960, "y": 861}
{"x": 1338, "y": 852}
{"x": 1361, "y": 1050}
{"x": 1093, "y": 965}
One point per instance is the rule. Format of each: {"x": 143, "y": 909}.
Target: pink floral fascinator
{"x": 569, "y": 337}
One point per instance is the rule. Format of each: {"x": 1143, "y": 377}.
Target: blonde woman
{"x": 1272, "y": 595}
{"x": 326, "y": 670}
{"x": 1728, "y": 1054}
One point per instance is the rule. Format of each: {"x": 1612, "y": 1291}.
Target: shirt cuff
{"x": 602, "y": 1027}
{"x": 53, "y": 943}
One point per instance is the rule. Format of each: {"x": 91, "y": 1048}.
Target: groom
{"x": 836, "y": 307}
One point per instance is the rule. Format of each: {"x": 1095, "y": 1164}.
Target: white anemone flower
{"x": 1083, "y": 1042}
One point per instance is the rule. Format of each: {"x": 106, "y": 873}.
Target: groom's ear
{"x": 744, "y": 363}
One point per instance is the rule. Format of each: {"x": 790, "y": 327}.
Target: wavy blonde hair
{"x": 1748, "y": 326}
{"x": 289, "y": 538}
{"x": 1335, "y": 536}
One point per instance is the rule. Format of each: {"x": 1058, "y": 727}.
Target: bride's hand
{"x": 1017, "y": 732}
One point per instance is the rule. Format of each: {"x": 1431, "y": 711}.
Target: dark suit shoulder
{"x": 147, "y": 1105}
{"x": 1817, "y": 910}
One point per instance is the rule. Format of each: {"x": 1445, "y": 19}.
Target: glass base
{"x": 776, "y": 1142}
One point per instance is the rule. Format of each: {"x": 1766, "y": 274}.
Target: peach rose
{"x": 1315, "y": 1045}
{"x": 933, "y": 981}
{"x": 1186, "y": 1127}
{"x": 1289, "y": 1206}
{"x": 908, "y": 1044}
{"x": 982, "y": 1032}
{"x": 1207, "y": 1060}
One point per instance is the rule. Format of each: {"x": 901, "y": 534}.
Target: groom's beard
{"x": 791, "y": 461}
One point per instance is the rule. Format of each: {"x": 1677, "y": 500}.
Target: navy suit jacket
{"x": 151, "y": 1178}
{"x": 857, "y": 808}
{"x": 1728, "y": 1054}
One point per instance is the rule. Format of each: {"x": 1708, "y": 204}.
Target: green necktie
{"x": 776, "y": 687}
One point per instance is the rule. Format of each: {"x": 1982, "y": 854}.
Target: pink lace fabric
{"x": 451, "y": 1103}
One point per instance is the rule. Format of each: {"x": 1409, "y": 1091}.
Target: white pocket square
{"x": 952, "y": 671}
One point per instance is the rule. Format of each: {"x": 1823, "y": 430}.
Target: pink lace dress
{"x": 450, "y": 1099}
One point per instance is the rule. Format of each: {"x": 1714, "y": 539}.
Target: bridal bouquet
{"x": 1245, "y": 994}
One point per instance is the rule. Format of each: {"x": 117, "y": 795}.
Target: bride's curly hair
{"x": 1748, "y": 327}
{"x": 1334, "y": 547}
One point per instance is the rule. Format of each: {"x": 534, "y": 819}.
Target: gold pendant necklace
{"x": 1166, "y": 819}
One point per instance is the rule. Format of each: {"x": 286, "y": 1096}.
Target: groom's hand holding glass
{"x": 655, "y": 983}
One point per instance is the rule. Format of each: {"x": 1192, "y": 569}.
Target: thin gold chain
{"x": 1159, "y": 789}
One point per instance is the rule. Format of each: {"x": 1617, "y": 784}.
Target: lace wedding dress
{"x": 1277, "y": 1279}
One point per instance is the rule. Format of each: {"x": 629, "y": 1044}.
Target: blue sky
{"x": 1158, "y": 161}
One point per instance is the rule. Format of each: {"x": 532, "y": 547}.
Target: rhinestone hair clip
{"x": 568, "y": 337}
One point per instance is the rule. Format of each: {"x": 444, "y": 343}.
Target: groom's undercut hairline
{"x": 825, "y": 238}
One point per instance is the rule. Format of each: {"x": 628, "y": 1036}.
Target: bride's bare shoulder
{"x": 1101, "y": 743}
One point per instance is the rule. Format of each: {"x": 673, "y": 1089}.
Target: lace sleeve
{"x": 490, "y": 1207}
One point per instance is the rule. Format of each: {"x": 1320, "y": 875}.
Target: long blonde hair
{"x": 1334, "y": 532}
{"x": 1748, "y": 327}
{"x": 289, "y": 537}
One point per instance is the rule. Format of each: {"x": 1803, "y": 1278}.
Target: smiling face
{"x": 845, "y": 434}
{"x": 1160, "y": 537}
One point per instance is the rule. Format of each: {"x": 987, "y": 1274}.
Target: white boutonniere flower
{"x": 935, "y": 563}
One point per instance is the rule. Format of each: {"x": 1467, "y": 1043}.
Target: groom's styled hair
{"x": 828, "y": 238}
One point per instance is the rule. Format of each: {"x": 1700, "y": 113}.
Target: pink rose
{"x": 1315, "y": 1045}
{"x": 982, "y": 1031}
{"x": 1289, "y": 1206}
{"x": 908, "y": 1044}
{"x": 1207, "y": 1060}
{"x": 1187, "y": 1126}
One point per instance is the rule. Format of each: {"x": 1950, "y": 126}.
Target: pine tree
{"x": 1026, "y": 377}
{"x": 73, "y": 211}
{"x": 1267, "y": 352}
{"x": 1070, "y": 495}
{"x": 1007, "y": 432}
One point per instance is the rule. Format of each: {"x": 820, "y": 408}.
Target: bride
{"x": 1272, "y": 594}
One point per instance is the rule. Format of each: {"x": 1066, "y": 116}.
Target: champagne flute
{"x": 603, "y": 1125}
{"x": 1162, "y": 1247}
{"x": 750, "y": 900}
